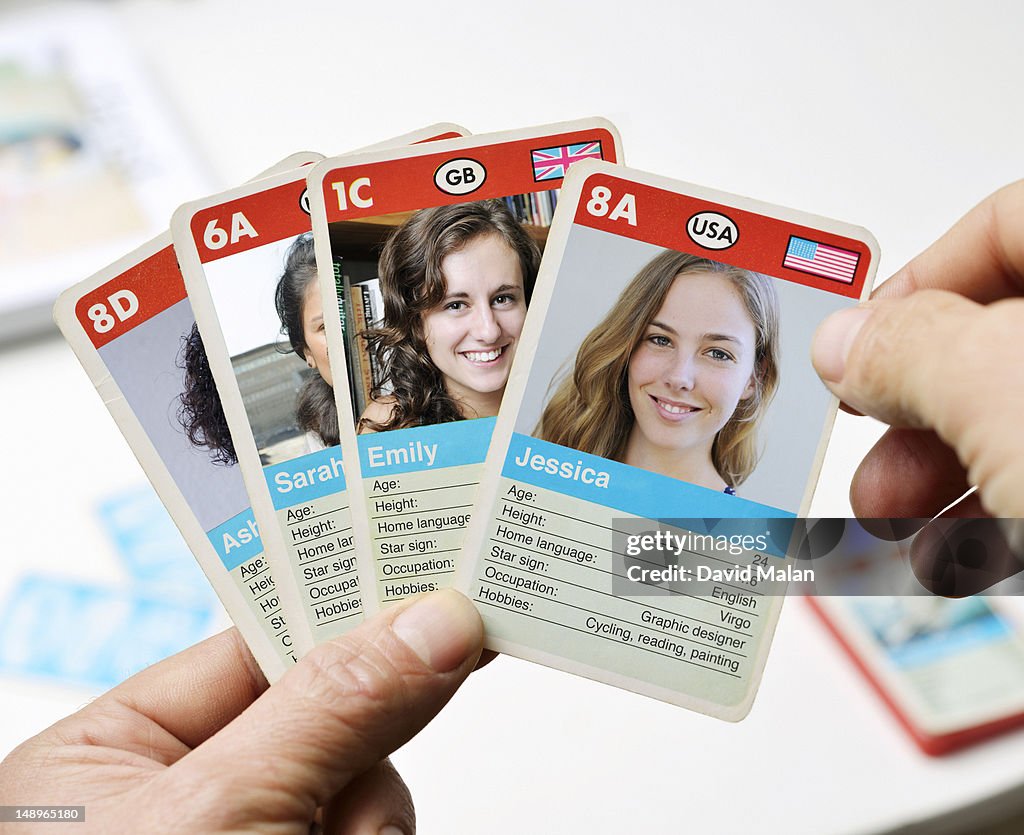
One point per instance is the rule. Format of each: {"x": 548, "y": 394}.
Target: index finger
{"x": 980, "y": 257}
{"x": 195, "y": 693}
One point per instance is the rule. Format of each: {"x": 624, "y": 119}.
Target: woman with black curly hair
{"x": 298, "y": 303}
{"x": 200, "y": 411}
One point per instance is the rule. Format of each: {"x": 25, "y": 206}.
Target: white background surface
{"x": 248, "y": 317}
{"x": 897, "y": 116}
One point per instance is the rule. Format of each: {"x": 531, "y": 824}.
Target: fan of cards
{"x": 579, "y": 393}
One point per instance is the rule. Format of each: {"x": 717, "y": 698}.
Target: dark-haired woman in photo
{"x": 456, "y": 281}
{"x": 300, "y": 308}
{"x": 297, "y": 298}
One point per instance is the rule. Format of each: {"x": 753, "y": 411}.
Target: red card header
{"x": 478, "y": 172}
{"x": 251, "y": 221}
{"x": 133, "y": 297}
{"x": 780, "y": 248}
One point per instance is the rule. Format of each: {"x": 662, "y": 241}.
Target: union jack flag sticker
{"x": 553, "y": 163}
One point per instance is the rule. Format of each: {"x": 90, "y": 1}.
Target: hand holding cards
{"x": 476, "y": 386}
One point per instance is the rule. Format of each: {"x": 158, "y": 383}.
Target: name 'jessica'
{"x": 415, "y": 453}
{"x": 563, "y": 469}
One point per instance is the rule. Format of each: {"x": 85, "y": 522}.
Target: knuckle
{"x": 923, "y": 310}
{"x": 356, "y": 695}
{"x": 989, "y": 443}
{"x": 1004, "y": 318}
{"x": 989, "y": 345}
{"x": 348, "y": 676}
{"x": 903, "y": 348}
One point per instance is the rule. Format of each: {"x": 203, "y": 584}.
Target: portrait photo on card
{"x": 434, "y": 305}
{"x": 681, "y": 365}
{"x": 149, "y": 365}
{"x": 271, "y": 315}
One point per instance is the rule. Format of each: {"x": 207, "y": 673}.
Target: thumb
{"x": 935, "y": 360}
{"x": 345, "y": 706}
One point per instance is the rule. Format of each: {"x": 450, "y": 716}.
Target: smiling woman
{"x": 456, "y": 281}
{"x": 678, "y": 375}
{"x": 471, "y": 335}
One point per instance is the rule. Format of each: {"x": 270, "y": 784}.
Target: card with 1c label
{"x": 432, "y": 251}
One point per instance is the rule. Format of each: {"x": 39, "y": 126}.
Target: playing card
{"x": 130, "y": 326}
{"x": 431, "y": 253}
{"x": 661, "y": 428}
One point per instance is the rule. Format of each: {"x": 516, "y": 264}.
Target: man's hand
{"x": 198, "y": 743}
{"x": 938, "y": 354}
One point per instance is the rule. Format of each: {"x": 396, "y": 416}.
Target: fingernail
{"x": 391, "y": 829}
{"x": 833, "y": 339}
{"x": 442, "y": 628}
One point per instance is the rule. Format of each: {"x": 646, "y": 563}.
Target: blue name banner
{"x": 621, "y": 487}
{"x": 421, "y": 448}
{"x": 305, "y": 478}
{"x": 237, "y": 540}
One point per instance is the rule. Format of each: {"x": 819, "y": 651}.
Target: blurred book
{"x": 92, "y": 160}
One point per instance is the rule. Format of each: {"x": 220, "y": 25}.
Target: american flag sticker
{"x": 812, "y": 257}
{"x": 553, "y": 163}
